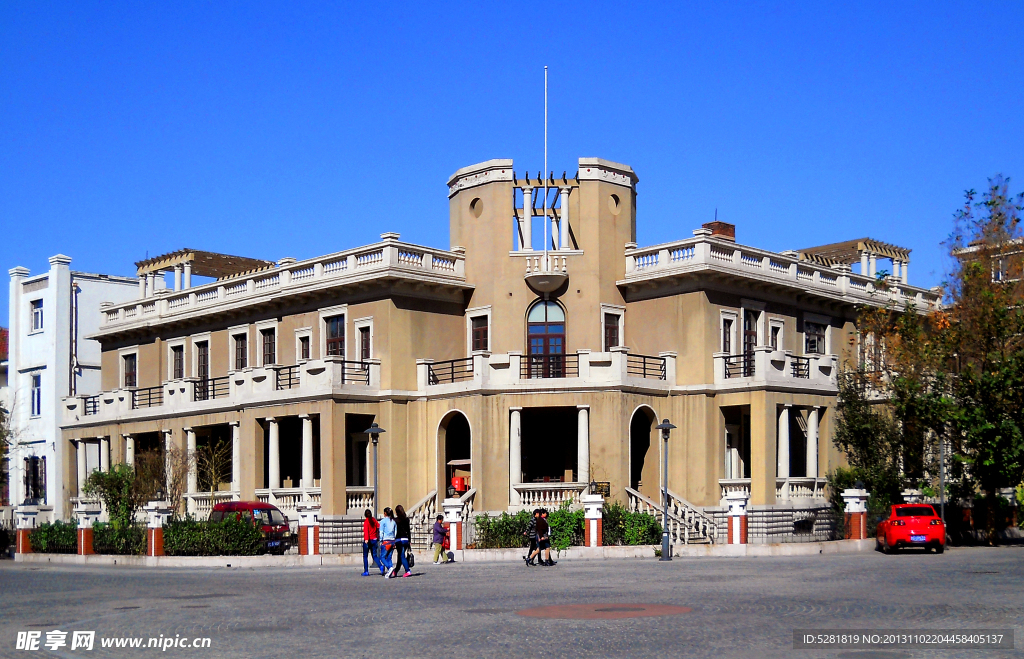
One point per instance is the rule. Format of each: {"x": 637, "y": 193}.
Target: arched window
{"x": 545, "y": 329}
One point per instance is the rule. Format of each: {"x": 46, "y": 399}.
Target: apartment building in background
{"x": 527, "y": 362}
{"x": 50, "y": 358}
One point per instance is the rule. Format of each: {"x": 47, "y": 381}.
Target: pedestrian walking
{"x": 402, "y": 539}
{"x": 388, "y": 529}
{"x": 531, "y": 533}
{"x": 371, "y": 534}
{"x": 440, "y": 535}
{"x": 545, "y": 543}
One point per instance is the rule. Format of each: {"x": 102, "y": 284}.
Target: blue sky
{"x": 297, "y": 129}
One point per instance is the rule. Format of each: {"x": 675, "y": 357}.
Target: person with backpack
{"x": 403, "y": 536}
{"x": 388, "y": 529}
{"x": 371, "y": 532}
{"x": 440, "y": 535}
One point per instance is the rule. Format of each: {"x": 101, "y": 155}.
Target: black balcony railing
{"x": 91, "y": 405}
{"x": 645, "y": 366}
{"x": 355, "y": 373}
{"x": 148, "y": 397}
{"x": 801, "y": 367}
{"x": 452, "y": 370}
{"x": 212, "y": 388}
{"x": 287, "y": 377}
{"x": 550, "y": 366}
{"x": 739, "y": 366}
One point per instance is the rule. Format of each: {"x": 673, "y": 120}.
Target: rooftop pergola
{"x": 186, "y": 262}
{"x": 862, "y": 250}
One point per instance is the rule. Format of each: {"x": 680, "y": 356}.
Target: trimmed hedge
{"x": 57, "y": 538}
{"x": 231, "y": 537}
{"x": 620, "y": 527}
{"x": 107, "y": 539}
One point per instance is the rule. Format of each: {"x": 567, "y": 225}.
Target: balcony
{"x": 439, "y": 272}
{"x": 314, "y": 378}
{"x": 766, "y": 366}
{"x": 797, "y": 489}
{"x": 704, "y": 254}
{"x": 582, "y": 369}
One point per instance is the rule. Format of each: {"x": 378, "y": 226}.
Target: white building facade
{"x": 49, "y": 358}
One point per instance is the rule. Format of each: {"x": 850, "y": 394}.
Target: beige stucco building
{"x": 522, "y": 374}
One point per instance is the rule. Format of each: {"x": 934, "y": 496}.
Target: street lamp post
{"x": 666, "y": 550}
{"x": 374, "y": 431}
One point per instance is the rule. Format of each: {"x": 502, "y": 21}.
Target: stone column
{"x": 158, "y": 512}
{"x": 812, "y": 443}
{"x": 190, "y": 447}
{"x": 856, "y": 513}
{"x": 737, "y": 502}
{"x": 526, "y": 240}
{"x": 309, "y": 528}
{"x": 273, "y": 454}
{"x": 88, "y": 513}
{"x": 783, "y": 467}
{"x": 236, "y": 454}
{"x": 906, "y": 277}
{"x": 25, "y": 518}
{"x": 150, "y": 284}
{"x": 583, "y": 443}
{"x": 563, "y": 223}
{"x": 187, "y": 275}
{"x": 177, "y": 277}
{"x": 104, "y": 453}
{"x": 593, "y": 505}
{"x": 82, "y": 473}
{"x": 896, "y": 270}
{"x": 453, "y": 518}
{"x": 515, "y": 454}
{"x": 307, "y": 451}
{"x": 168, "y": 466}
{"x": 129, "y": 450}
{"x": 864, "y": 263}
{"x": 142, "y": 286}
{"x": 871, "y": 265}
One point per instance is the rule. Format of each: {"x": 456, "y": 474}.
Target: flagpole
{"x": 545, "y": 172}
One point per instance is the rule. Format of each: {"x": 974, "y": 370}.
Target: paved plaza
{"x": 714, "y": 607}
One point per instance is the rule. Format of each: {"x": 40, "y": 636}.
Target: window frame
{"x": 780, "y": 325}
{"x": 36, "y": 309}
{"x": 614, "y": 310}
{"x": 260, "y": 328}
{"x": 236, "y": 338}
{"x": 125, "y": 357}
{"x": 196, "y": 340}
{"x": 477, "y": 312}
{"x": 35, "y": 394}
{"x": 826, "y": 323}
{"x": 358, "y": 326}
{"x": 300, "y": 334}
{"x": 732, "y": 318}
{"x": 171, "y": 346}
{"x": 326, "y": 314}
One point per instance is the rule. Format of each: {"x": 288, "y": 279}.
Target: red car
{"x": 911, "y": 525}
{"x": 277, "y": 537}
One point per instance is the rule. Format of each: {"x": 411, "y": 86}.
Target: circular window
{"x": 476, "y": 207}
{"x": 613, "y": 204}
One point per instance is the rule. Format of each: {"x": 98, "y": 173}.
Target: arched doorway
{"x": 454, "y": 447}
{"x": 643, "y": 453}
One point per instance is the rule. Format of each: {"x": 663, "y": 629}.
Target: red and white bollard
{"x": 453, "y": 518}
{"x": 309, "y": 528}
{"x": 158, "y": 513}
{"x": 737, "y": 502}
{"x": 856, "y": 514}
{"x": 88, "y": 513}
{"x": 593, "y": 518}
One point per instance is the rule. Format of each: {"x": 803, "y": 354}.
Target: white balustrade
{"x": 799, "y": 487}
{"x": 358, "y": 499}
{"x": 549, "y": 495}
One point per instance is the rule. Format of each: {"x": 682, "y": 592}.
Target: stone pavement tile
{"x": 740, "y": 607}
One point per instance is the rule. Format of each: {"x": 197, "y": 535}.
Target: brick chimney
{"x": 721, "y": 229}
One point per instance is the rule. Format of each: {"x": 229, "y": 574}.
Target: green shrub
{"x": 502, "y": 531}
{"x": 620, "y": 526}
{"x": 57, "y": 538}
{"x": 567, "y": 527}
{"x": 231, "y": 537}
{"x": 127, "y": 541}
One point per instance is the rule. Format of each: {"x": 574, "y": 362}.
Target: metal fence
{"x": 287, "y": 378}
{"x": 341, "y": 535}
{"x": 550, "y": 366}
{"x": 452, "y": 370}
{"x": 645, "y": 366}
{"x": 739, "y": 366}
{"x": 801, "y": 366}
{"x": 148, "y": 397}
{"x": 212, "y": 388}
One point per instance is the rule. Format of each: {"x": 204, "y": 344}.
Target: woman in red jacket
{"x": 371, "y": 532}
